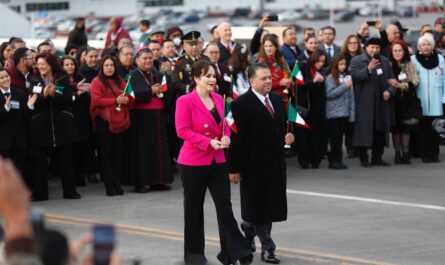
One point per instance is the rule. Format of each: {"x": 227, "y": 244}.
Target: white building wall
{"x": 22, "y": 27}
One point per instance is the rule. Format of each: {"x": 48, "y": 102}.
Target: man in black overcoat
{"x": 257, "y": 161}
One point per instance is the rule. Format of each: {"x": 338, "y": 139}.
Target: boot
{"x": 406, "y": 159}
{"x": 398, "y": 158}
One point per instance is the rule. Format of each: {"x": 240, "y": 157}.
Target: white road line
{"x": 370, "y": 200}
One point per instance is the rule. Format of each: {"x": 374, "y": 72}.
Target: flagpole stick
{"x": 118, "y": 108}
{"x": 224, "y": 116}
{"x": 287, "y": 146}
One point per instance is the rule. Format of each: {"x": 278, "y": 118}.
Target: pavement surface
{"x": 381, "y": 216}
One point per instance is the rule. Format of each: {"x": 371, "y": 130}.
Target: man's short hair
{"x": 308, "y": 29}
{"x": 124, "y": 47}
{"x": 253, "y": 68}
{"x": 19, "y": 54}
{"x": 145, "y": 22}
{"x": 329, "y": 28}
{"x": 45, "y": 43}
{"x": 14, "y": 40}
{"x": 287, "y": 29}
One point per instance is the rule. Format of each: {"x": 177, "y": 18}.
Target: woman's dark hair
{"x": 344, "y": 48}
{"x": 2, "y": 69}
{"x": 113, "y": 51}
{"x": 2, "y": 49}
{"x": 406, "y": 56}
{"x": 239, "y": 60}
{"x": 115, "y": 77}
{"x": 79, "y": 54}
{"x": 199, "y": 68}
{"x": 275, "y": 41}
{"x": 310, "y": 37}
{"x": 315, "y": 57}
{"x": 333, "y": 69}
{"x": 77, "y": 76}
{"x": 53, "y": 62}
{"x": 438, "y": 41}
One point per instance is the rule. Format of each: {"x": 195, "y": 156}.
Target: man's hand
{"x": 373, "y": 64}
{"x": 394, "y": 83}
{"x": 235, "y": 178}
{"x": 289, "y": 138}
{"x": 379, "y": 24}
{"x": 156, "y": 88}
{"x": 386, "y": 95}
{"x": 263, "y": 22}
{"x": 364, "y": 29}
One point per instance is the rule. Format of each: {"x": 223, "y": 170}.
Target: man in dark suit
{"x": 222, "y": 72}
{"x": 13, "y": 110}
{"x": 226, "y": 45}
{"x": 328, "y": 45}
{"x": 257, "y": 161}
{"x": 290, "y": 49}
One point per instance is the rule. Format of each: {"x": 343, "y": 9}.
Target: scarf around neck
{"x": 428, "y": 62}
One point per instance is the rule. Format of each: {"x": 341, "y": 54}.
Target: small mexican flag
{"x": 228, "y": 116}
{"x": 293, "y": 116}
{"x": 296, "y": 73}
{"x": 234, "y": 90}
{"x": 129, "y": 88}
{"x": 164, "y": 83}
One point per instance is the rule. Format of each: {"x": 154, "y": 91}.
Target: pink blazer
{"x": 197, "y": 127}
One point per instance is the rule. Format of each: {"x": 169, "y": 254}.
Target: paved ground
{"x": 392, "y": 215}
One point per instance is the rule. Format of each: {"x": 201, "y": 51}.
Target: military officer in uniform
{"x": 182, "y": 66}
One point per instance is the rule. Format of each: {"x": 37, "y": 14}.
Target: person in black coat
{"x": 226, "y": 44}
{"x": 312, "y": 95}
{"x": 13, "y": 113}
{"x": 222, "y": 72}
{"x": 257, "y": 161}
{"x": 52, "y": 126}
{"x": 90, "y": 69}
{"x": 77, "y": 36}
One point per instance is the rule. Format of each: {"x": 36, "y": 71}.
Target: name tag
{"x": 15, "y": 104}
{"x": 37, "y": 90}
{"x": 227, "y": 78}
{"x": 341, "y": 79}
{"x": 379, "y": 71}
{"x": 402, "y": 76}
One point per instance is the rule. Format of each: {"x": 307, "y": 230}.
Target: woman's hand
{"x": 49, "y": 91}
{"x": 225, "y": 140}
{"x": 122, "y": 99}
{"x": 32, "y": 100}
{"x": 285, "y": 82}
{"x": 217, "y": 145}
{"x": 318, "y": 79}
{"x": 289, "y": 138}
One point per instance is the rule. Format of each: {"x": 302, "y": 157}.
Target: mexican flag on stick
{"x": 228, "y": 116}
{"x": 293, "y": 116}
{"x": 129, "y": 88}
{"x": 164, "y": 83}
{"x": 234, "y": 90}
{"x": 296, "y": 73}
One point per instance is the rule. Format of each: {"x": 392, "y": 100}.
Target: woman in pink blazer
{"x": 200, "y": 123}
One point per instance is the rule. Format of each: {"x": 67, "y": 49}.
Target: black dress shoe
{"x": 380, "y": 163}
{"x": 74, "y": 196}
{"x": 118, "y": 191}
{"x": 337, "y": 165}
{"x": 247, "y": 260}
{"x": 92, "y": 178}
{"x": 365, "y": 164}
{"x": 160, "y": 187}
{"x": 140, "y": 189}
{"x": 268, "y": 256}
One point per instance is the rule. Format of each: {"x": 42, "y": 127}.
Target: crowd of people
{"x": 136, "y": 110}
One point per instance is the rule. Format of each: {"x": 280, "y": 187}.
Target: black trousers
{"x": 84, "y": 158}
{"x": 378, "y": 145}
{"x": 428, "y": 139}
{"x": 263, "y": 231}
{"x": 349, "y": 134}
{"x": 337, "y": 129}
{"x": 17, "y": 155}
{"x": 110, "y": 158}
{"x": 65, "y": 168}
{"x": 196, "y": 180}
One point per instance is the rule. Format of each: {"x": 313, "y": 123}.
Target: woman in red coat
{"x": 110, "y": 123}
{"x": 271, "y": 55}
{"x": 116, "y": 32}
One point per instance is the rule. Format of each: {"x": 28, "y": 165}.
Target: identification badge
{"x": 37, "y": 89}
{"x": 15, "y": 104}
{"x": 341, "y": 79}
{"x": 227, "y": 78}
{"x": 438, "y": 70}
{"x": 402, "y": 76}
{"x": 379, "y": 71}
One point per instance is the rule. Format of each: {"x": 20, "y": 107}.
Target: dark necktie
{"x": 218, "y": 73}
{"x": 329, "y": 53}
{"x": 7, "y": 94}
{"x": 269, "y": 108}
{"x": 228, "y": 48}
